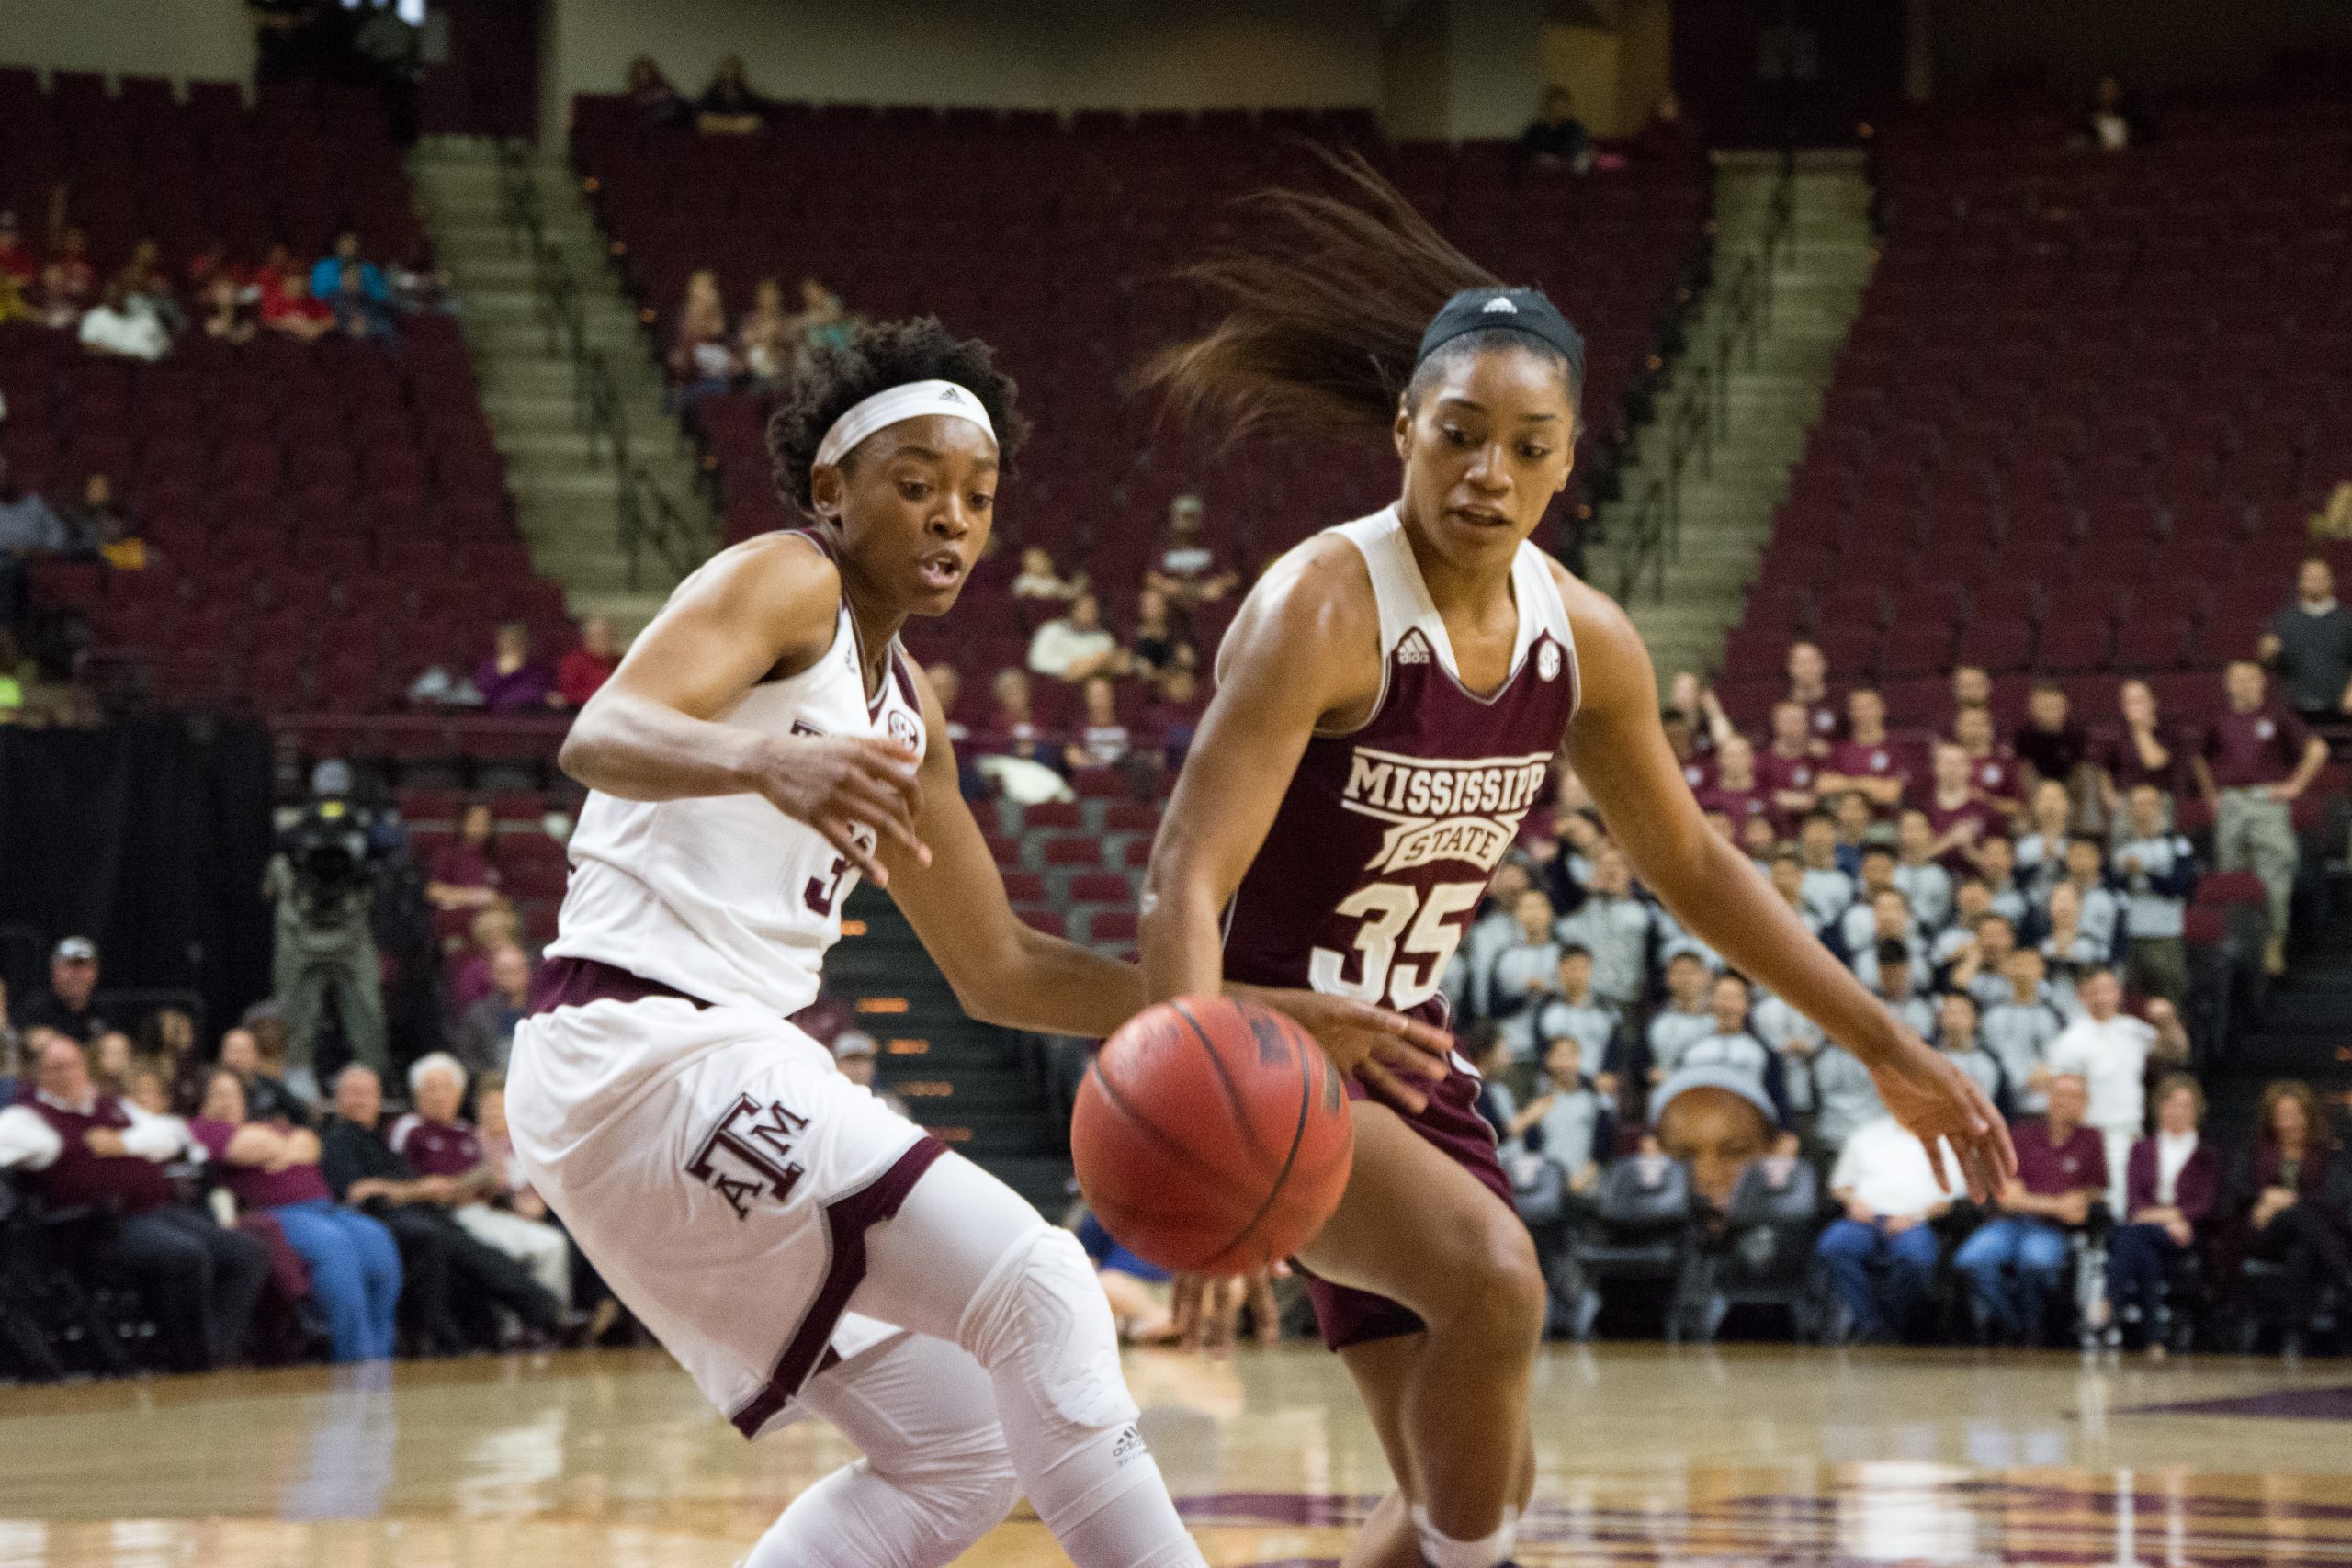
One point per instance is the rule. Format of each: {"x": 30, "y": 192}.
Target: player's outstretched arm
{"x": 1306, "y": 644}
{"x": 652, "y": 732}
{"x": 1620, "y": 751}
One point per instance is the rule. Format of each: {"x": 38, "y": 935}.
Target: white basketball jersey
{"x": 725, "y": 898}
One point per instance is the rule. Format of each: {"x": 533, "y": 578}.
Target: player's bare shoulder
{"x": 782, "y": 589}
{"x": 1313, "y": 622}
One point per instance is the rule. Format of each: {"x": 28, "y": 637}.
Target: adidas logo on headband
{"x": 894, "y": 405}
{"x": 1499, "y": 303}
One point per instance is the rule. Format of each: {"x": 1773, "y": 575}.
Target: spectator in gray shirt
{"x": 1573, "y": 1123}
{"x": 1614, "y": 927}
{"x": 1956, "y": 1029}
{"x": 1984, "y": 971}
{"x": 1996, "y": 862}
{"x": 1896, "y": 983}
{"x": 1844, "y": 1097}
{"x": 2309, "y": 643}
{"x": 1926, "y": 883}
{"x": 1890, "y": 921}
{"x": 1860, "y": 921}
{"x": 1495, "y": 928}
{"x": 2102, "y": 912}
{"x": 1684, "y": 1019}
{"x": 1577, "y": 1012}
{"x": 1729, "y": 1043}
{"x": 1523, "y": 974}
{"x": 2158, "y": 876}
{"x": 1796, "y": 1037}
{"x": 1828, "y": 891}
{"x": 2041, "y": 855}
{"x": 2017, "y": 1030}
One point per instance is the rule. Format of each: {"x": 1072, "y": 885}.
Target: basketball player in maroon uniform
{"x": 1390, "y": 696}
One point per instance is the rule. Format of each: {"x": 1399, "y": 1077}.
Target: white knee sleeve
{"x": 1042, "y": 1314}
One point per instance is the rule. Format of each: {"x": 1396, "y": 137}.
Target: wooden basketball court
{"x": 1649, "y": 1454}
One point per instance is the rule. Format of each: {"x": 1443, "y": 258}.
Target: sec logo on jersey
{"x": 904, "y": 730}
{"x": 1547, "y": 662}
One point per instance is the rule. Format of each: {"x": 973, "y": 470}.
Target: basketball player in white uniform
{"x": 795, "y": 1244}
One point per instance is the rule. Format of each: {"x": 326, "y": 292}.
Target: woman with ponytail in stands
{"x": 1392, "y": 693}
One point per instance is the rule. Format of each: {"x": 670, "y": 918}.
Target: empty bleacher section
{"x": 2079, "y": 426}
{"x": 323, "y": 519}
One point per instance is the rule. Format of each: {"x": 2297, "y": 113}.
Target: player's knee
{"x": 1493, "y": 1288}
{"x": 1041, "y": 1312}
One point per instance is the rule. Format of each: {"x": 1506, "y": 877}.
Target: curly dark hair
{"x": 880, "y": 356}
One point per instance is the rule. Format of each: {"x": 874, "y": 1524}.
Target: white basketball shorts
{"x": 720, "y": 1173}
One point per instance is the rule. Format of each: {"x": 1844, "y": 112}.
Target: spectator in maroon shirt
{"x": 589, "y": 666}
{"x": 1992, "y": 767}
{"x": 438, "y": 1141}
{"x": 469, "y": 980}
{"x": 1867, "y": 763}
{"x": 1014, "y": 729}
{"x": 2147, "y": 751}
{"x": 1956, "y": 808}
{"x": 510, "y": 680}
{"x": 2256, "y": 759}
{"x": 2279, "y": 1195}
{"x": 1808, "y": 674}
{"x": 1972, "y": 687}
{"x": 2050, "y": 745}
{"x": 1791, "y": 767}
{"x": 274, "y": 1169}
{"x": 2014, "y": 1260}
{"x": 464, "y": 875}
{"x": 94, "y": 1155}
{"x": 1736, "y": 792}
{"x": 2171, "y": 1184}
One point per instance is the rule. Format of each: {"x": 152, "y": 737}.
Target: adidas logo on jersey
{"x": 1413, "y": 650}
{"x": 1500, "y": 305}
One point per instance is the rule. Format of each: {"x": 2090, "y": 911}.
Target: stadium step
{"x": 567, "y": 493}
{"x": 2298, "y": 1029}
{"x": 1771, "y": 396}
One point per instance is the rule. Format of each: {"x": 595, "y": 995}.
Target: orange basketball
{"x": 1212, "y": 1135}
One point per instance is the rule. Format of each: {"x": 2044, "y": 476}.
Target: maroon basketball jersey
{"x": 1388, "y": 834}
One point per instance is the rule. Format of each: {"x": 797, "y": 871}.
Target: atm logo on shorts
{"x": 747, "y": 1155}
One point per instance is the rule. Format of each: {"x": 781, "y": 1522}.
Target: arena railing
{"x": 1697, "y": 410}
{"x": 650, "y": 519}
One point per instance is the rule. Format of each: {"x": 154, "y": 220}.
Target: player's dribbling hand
{"x": 1387, "y": 1052}
{"x": 840, "y": 784}
{"x": 1937, "y": 1104}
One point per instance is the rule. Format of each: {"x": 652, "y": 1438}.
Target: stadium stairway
{"x": 972, "y": 1083}
{"x": 566, "y": 503}
{"x": 2298, "y": 1028}
{"x": 1772, "y": 397}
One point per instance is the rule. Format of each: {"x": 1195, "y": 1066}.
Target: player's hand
{"x": 1387, "y": 1052}
{"x": 1206, "y": 1309}
{"x": 841, "y": 784}
{"x": 1938, "y": 1103}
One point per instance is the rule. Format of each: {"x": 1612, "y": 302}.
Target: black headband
{"x": 1507, "y": 310}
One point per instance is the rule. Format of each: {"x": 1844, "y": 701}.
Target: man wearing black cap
{"x": 67, "y": 1005}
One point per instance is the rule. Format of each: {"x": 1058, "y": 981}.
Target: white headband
{"x": 895, "y": 405}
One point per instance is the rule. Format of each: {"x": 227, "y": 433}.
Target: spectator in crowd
{"x": 69, "y": 1006}
{"x": 658, "y": 104}
{"x": 1187, "y": 569}
{"x": 1845, "y": 1097}
{"x": 2050, "y": 745}
{"x": 68, "y": 283}
{"x": 1494, "y": 926}
{"x": 92, "y": 1154}
{"x": 768, "y": 340}
{"x": 147, "y": 287}
{"x": 1556, "y": 138}
{"x": 1729, "y": 1045}
{"x": 1040, "y": 579}
{"x": 2102, "y": 912}
{"x": 100, "y": 527}
{"x": 2041, "y": 855}
{"x": 1921, "y": 879}
{"x": 1152, "y": 651}
{"x": 1867, "y": 762}
{"x": 1996, "y": 862}
{"x": 29, "y": 528}
{"x": 2110, "y": 1050}
{"x": 2309, "y": 644}
{"x": 1827, "y": 891}
{"x": 223, "y": 312}
{"x": 486, "y": 1033}
{"x": 1576, "y": 1012}
{"x": 858, "y": 1055}
{"x": 2158, "y": 876}
{"x": 111, "y": 1056}
{"x": 1972, "y": 687}
{"x": 1957, "y": 809}
{"x": 1808, "y": 687}
{"x": 2171, "y": 1187}
{"x": 1982, "y": 967}
{"x": 582, "y": 671}
{"x": 729, "y": 106}
{"x": 823, "y": 322}
{"x": 1790, "y": 766}
{"x": 290, "y": 307}
{"x": 492, "y": 928}
{"x": 1955, "y": 954}
{"x": 448, "y": 1276}
{"x": 273, "y": 1168}
{"x": 1014, "y": 729}
{"x": 2067, "y": 951}
{"x": 463, "y": 874}
{"x": 1685, "y": 1020}
{"x": 268, "y": 1096}
{"x": 1570, "y": 1120}
{"x": 353, "y": 290}
{"x": 2013, "y": 1261}
{"x": 1957, "y": 1018}
{"x": 1614, "y": 926}
{"x": 702, "y": 354}
{"x": 1718, "y": 1124}
{"x": 1736, "y": 792}
{"x": 1895, "y": 973}
{"x": 2113, "y": 122}
{"x": 115, "y": 326}
{"x": 2144, "y": 752}
{"x": 1857, "y": 831}
{"x": 2280, "y": 1199}
{"x": 1176, "y": 709}
{"x": 167, "y": 1041}
{"x": 1993, "y": 768}
{"x": 1890, "y": 919}
{"x": 1890, "y": 1199}
{"x": 1075, "y": 645}
{"x": 438, "y": 1141}
{"x": 1523, "y": 974}
{"x": 1101, "y": 741}
{"x": 2256, "y": 759}
{"x": 511, "y": 680}
{"x": 16, "y": 259}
